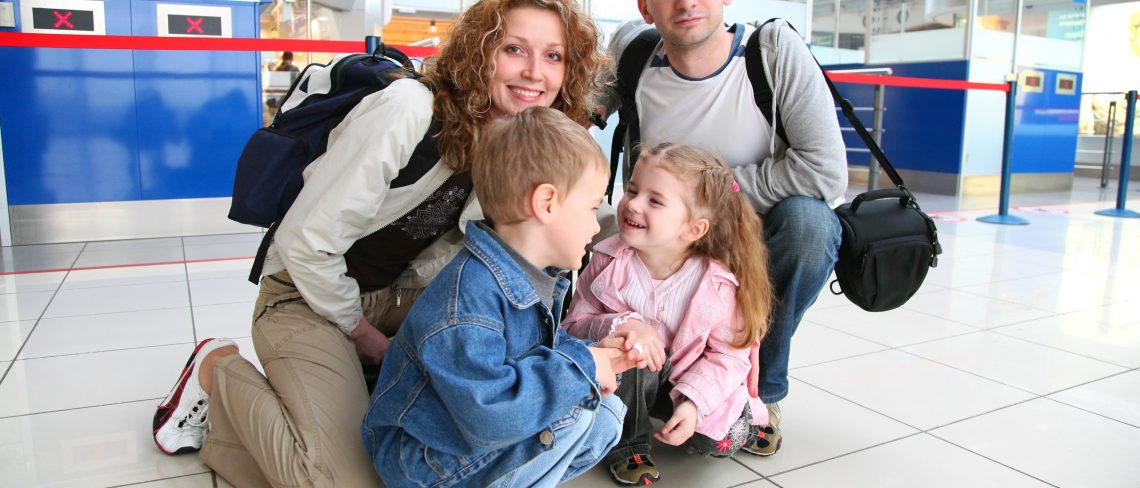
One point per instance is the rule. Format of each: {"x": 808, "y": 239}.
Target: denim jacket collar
{"x": 507, "y": 272}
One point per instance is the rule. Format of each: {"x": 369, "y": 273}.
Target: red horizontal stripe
{"x": 153, "y": 43}
{"x": 906, "y": 81}
{"x": 117, "y": 266}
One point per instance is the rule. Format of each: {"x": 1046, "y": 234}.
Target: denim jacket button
{"x": 546, "y": 437}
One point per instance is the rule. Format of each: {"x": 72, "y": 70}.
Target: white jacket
{"x": 347, "y": 196}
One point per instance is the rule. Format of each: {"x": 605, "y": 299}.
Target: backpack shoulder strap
{"x": 424, "y": 157}
{"x": 629, "y": 68}
{"x": 761, "y": 89}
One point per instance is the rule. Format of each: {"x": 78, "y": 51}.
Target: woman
{"x": 359, "y": 244}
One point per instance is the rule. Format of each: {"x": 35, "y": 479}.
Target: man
{"x": 696, "y": 90}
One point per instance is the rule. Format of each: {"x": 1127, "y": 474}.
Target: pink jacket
{"x": 706, "y": 368}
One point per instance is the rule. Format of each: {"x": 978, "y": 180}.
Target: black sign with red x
{"x": 194, "y": 25}
{"x": 63, "y": 19}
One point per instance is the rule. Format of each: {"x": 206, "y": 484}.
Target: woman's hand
{"x": 371, "y": 344}
{"x": 680, "y": 426}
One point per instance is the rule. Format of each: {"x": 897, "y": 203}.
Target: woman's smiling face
{"x": 530, "y": 64}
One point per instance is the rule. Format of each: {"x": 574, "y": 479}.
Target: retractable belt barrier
{"x": 154, "y": 43}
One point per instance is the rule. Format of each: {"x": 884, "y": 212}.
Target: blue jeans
{"x": 803, "y": 237}
{"x": 578, "y": 448}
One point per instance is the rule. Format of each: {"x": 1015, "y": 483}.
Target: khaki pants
{"x": 299, "y": 425}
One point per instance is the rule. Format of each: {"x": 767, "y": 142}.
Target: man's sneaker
{"x": 180, "y": 422}
{"x": 637, "y": 470}
{"x": 765, "y": 441}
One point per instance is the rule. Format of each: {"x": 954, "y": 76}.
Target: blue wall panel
{"x": 196, "y": 109}
{"x": 922, "y": 127}
{"x": 89, "y": 125}
{"x": 1046, "y": 128}
{"x": 69, "y": 121}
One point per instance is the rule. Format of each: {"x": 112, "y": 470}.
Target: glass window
{"x": 838, "y": 32}
{"x": 912, "y": 30}
{"x": 1052, "y": 32}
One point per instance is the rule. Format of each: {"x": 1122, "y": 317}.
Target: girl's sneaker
{"x": 765, "y": 441}
{"x": 180, "y": 423}
{"x": 637, "y": 470}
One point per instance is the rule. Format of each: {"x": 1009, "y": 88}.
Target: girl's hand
{"x": 632, "y": 354}
{"x": 643, "y": 339}
{"x": 754, "y": 372}
{"x": 680, "y": 426}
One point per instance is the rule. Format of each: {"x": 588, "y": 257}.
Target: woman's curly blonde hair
{"x": 461, "y": 74}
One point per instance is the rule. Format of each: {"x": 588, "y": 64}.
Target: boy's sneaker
{"x": 765, "y": 441}
{"x": 180, "y": 422}
{"x": 637, "y": 470}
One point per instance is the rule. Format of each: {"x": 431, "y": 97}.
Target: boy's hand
{"x": 608, "y": 362}
{"x": 643, "y": 339}
{"x": 371, "y": 344}
{"x": 680, "y": 426}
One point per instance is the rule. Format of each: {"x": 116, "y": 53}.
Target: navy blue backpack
{"x": 270, "y": 170}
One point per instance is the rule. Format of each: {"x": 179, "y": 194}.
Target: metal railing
{"x": 876, "y": 121}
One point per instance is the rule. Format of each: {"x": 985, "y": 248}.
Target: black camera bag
{"x": 889, "y": 243}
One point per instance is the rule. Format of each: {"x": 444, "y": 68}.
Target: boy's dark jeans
{"x": 646, "y": 396}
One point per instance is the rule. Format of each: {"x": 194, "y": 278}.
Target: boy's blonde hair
{"x": 516, "y": 154}
{"x": 735, "y": 230}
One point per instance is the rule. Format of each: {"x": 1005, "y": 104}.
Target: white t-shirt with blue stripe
{"x": 710, "y": 113}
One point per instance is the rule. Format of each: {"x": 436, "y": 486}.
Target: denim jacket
{"x": 480, "y": 377}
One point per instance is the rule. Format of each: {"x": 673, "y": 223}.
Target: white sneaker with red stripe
{"x": 180, "y": 423}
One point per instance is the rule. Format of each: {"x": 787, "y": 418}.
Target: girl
{"x": 685, "y": 282}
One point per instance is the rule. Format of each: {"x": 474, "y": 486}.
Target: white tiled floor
{"x": 1017, "y": 364}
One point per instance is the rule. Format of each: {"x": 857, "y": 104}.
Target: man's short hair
{"x": 516, "y": 154}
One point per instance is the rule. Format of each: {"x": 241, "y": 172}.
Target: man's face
{"x": 684, "y": 23}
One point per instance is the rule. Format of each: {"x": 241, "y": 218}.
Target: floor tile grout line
{"x": 1098, "y": 414}
{"x": 189, "y": 293}
{"x": 1055, "y": 348}
{"x": 857, "y": 451}
{"x": 749, "y": 482}
{"x": 137, "y": 483}
{"x": 995, "y": 461}
{"x": 141, "y": 310}
{"x": 919, "y": 432}
{"x": 1053, "y": 313}
{"x": 137, "y": 348}
{"x": 853, "y": 402}
{"x": 124, "y": 266}
{"x": 924, "y": 341}
{"x": 971, "y": 373}
{"x": 84, "y": 407}
{"x": 35, "y": 326}
{"x": 1058, "y": 312}
{"x": 900, "y": 349}
{"x": 747, "y": 467}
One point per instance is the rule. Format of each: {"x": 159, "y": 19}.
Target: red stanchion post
{"x": 1125, "y": 163}
{"x": 1003, "y": 217}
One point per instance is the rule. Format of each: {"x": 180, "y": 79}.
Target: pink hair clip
{"x": 735, "y": 186}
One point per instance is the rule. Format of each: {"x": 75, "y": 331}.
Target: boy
{"x": 481, "y": 387}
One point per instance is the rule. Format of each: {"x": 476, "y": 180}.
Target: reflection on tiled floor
{"x": 1017, "y": 365}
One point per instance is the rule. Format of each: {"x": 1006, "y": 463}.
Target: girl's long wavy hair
{"x": 734, "y": 231}
{"x": 461, "y": 74}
